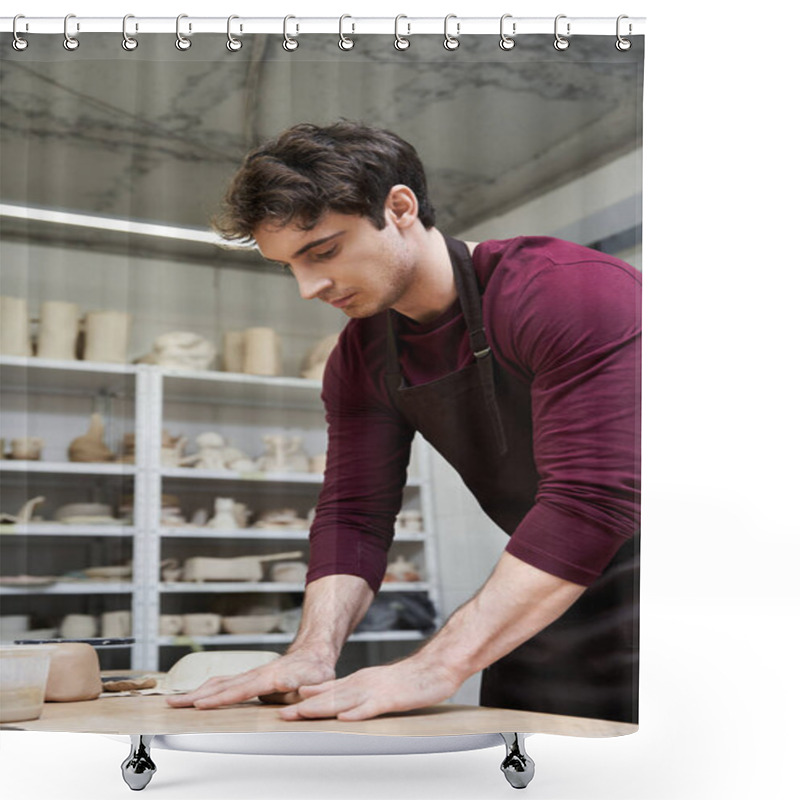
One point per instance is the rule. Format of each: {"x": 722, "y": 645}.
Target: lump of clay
{"x": 90, "y": 447}
{"x": 195, "y": 668}
{"x": 74, "y": 673}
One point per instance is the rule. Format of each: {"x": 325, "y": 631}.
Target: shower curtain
{"x": 195, "y": 364}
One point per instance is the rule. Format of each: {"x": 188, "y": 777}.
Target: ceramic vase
{"x": 58, "y": 330}
{"x": 15, "y": 337}
{"x": 107, "y": 334}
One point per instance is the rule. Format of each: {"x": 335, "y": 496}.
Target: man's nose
{"x": 310, "y": 285}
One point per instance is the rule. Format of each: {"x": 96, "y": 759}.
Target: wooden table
{"x": 146, "y": 717}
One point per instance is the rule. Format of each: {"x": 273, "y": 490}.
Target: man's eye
{"x": 329, "y": 253}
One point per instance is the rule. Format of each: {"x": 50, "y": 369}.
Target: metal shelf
{"x": 69, "y": 588}
{"x": 219, "y": 587}
{"x": 49, "y": 376}
{"x": 257, "y": 533}
{"x": 67, "y": 468}
{"x": 282, "y": 638}
{"x": 59, "y": 529}
{"x": 189, "y": 473}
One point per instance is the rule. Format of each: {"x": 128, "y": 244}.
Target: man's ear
{"x": 402, "y": 206}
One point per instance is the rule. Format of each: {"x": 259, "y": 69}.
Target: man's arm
{"x": 516, "y": 602}
{"x": 332, "y": 608}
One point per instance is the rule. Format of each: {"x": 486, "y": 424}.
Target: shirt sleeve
{"x": 575, "y": 331}
{"x": 366, "y": 469}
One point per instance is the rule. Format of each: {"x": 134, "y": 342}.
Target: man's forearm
{"x": 332, "y": 607}
{"x": 515, "y": 603}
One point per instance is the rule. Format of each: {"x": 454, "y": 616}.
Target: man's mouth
{"x": 341, "y": 302}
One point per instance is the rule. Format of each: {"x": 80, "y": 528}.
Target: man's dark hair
{"x": 309, "y": 170}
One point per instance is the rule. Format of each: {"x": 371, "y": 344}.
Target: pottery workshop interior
{"x": 162, "y": 428}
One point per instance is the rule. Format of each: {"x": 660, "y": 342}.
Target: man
{"x": 519, "y": 361}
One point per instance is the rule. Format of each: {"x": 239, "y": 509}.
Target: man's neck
{"x": 434, "y": 289}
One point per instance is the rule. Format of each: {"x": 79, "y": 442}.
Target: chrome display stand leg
{"x": 138, "y": 768}
{"x": 517, "y": 766}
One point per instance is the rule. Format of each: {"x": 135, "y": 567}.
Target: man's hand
{"x": 402, "y": 686}
{"x": 276, "y": 682}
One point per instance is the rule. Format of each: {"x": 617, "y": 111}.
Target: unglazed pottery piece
{"x": 201, "y": 624}
{"x": 90, "y": 447}
{"x": 410, "y": 521}
{"x": 15, "y": 337}
{"x": 241, "y": 568}
{"x": 253, "y": 623}
{"x": 210, "y": 453}
{"x": 196, "y": 668}
{"x": 27, "y": 448}
{"x": 262, "y": 352}
{"x": 181, "y": 350}
{"x": 170, "y": 624}
{"x": 58, "y": 330}
{"x": 289, "y": 572}
{"x": 107, "y": 334}
{"x": 233, "y": 351}
{"x": 283, "y": 454}
{"x": 78, "y": 626}
{"x": 74, "y": 673}
{"x": 316, "y": 358}
{"x": 25, "y": 514}
{"x": 224, "y": 514}
{"x": 115, "y": 624}
{"x": 281, "y": 519}
{"x": 401, "y": 570}
{"x": 23, "y": 677}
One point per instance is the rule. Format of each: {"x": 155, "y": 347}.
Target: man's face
{"x": 344, "y": 261}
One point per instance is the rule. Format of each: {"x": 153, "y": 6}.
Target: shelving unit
{"x": 157, "y": 397}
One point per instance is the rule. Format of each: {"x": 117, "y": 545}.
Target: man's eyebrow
{"x": 316, "y": 242}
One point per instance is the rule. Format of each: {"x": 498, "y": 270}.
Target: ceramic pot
{"x": 262, "y": 352}
{"x": 28, "y": 448}
{"x": 78, "y": 626}
{"x": 15, "y": 339}
{"x": 58, "y": 330}
{"x": 107, "y": 334}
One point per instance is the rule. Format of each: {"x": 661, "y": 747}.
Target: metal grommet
{"x": 400, "y": 42}
{"x": 451, "y": 42}
{"x": 70, "y": 42}
{"x": 128, "y": 42}
{"x": 507, "y": 42}
{"x": 289, "y": 44}
{"x": 233, "y": 44}
{"x": 345, "y": 43}
{"x": 561, "y": 43}
{"x": 181, "y": 42}
{"x": 19, "y": 44}
{"x": 623, "y": 44}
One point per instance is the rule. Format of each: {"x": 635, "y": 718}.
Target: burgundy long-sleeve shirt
{"x": 563, "y": 318}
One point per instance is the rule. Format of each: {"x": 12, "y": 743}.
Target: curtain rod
{"x": 296, "y": 26}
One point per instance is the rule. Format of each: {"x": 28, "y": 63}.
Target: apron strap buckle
{"x": 482, "y": 353}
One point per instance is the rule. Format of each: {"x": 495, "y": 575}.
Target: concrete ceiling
{"x": 155, "y": 134}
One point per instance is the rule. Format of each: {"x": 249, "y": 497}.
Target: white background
{"x": 719, "y": 697}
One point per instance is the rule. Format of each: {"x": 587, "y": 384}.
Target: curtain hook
{"x": 19, "y": 44}
{"x": 233, "y": 44}
{"x": 128, "y": 42}
{"x": 289, "y": 43}
{"x": 561, "y": 42}
{"x": 451, "y": 42}
{"x": 70, "y": 42}
{"x": 623, "y": 44}
{"x": 506, "y": 41}
{"x": 345, "y": 43}
{"x": 181, "y": 42}
{"x": 400, "y": 42}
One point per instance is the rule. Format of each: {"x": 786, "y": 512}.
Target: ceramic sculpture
{"x": 181, "y": 350}
{"x": 211, "y": 453}
{"x": 90, "y": 447}
{"x": 15, "y": 337}
{"x": 107, "y": 334}
{"x": 172, "y": 449}
{"x": 241, "y": 568}
{"x": 316, "y": 358}
{"x": 24, "y": 515}
{"x": 262, "y": 352}
{"x": 283, "y": 454}
{"x": 224, "y": 515}
{"x": 58, "y": 330}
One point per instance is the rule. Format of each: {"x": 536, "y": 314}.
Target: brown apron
{"x": 479, "y": 418}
